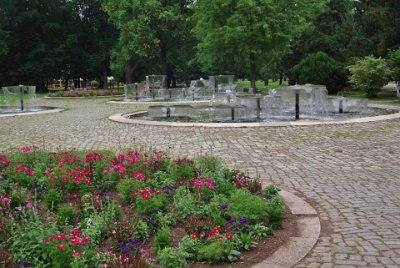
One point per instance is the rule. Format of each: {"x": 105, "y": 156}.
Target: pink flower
{"x": 139, "y": 176}
{"x": 77, "y": 253}
{"x": 25, "y": 149}
{"x": 61, "y": 246}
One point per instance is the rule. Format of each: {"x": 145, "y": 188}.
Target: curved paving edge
{"x": 299, "y": 246}
{"x": 122, "y": 119}
{"x": 54, "y": 110}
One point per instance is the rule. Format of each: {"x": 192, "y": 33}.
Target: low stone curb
{"x": 122, "y": 119}
{"x": 54, "y": 110}
{"x": 88, "y": 97}
{"x": 299, "y": 246}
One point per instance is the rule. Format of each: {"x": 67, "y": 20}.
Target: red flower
{"x": 229, "y": 236}
{"x": 77, "y": 254}
{"x": 61, "y": 246}
{"x": 25, "y": 149}
{"x": 194, "y": 235}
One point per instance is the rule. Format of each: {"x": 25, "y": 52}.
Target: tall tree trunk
{"x": 280, "y": 78}
{"x": 266, "y": 79}
{"x": 253, "y": 71}
{"x": 129, "y": 70}
{"x": 164, "y": 67}
{"x": 105, "y": 75}
{"x": 66, "y": 83}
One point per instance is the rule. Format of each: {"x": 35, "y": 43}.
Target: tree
{"x": 242, "y": 35}
{"x": 369, "y": 74}
{"x": 320, "y": 69}
{"x": 394, "y": 63}
{"x": 150, "y": 30}
{"x": 380, "y": 23}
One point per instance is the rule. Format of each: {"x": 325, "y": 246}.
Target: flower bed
{"x": 135, "y": 209}
{"x": 85, "y": 93}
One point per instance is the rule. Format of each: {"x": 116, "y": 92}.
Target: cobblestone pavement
{"x": 350, "y": 173}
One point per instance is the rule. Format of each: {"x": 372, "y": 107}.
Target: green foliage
{"x": 189, "y": 245}
{"x": 161, "y": 179}
{"x": 52, "y": 199}
{"x": 65, "y": 215}
{"x": 17, "y": 197}
{"x": 127, "y": 187}
{"x": 156, "y": 202}
{"x": 369, "y": 74}
{"x": 172, "y": 258}
{"x": 184, "y": 202}
{"x": 26, "y": 244}
{"x": 246, "y": 241}
{"x": 239, "y": 35}
{"x": 393, "y": 61}
{"x": 209, "y": 166}
{"x": 217, "y": 251}
{"x": 243, "y": 204}
{"x": 95, "y": 84}
{"x": 260, "y": 231}
{"x": 271, "y": 191}
{"x": 183, "y": 171}
{"x": 276, "y": 212}
{"x": 320, "y": 69}
{"x": 162, "y": 239}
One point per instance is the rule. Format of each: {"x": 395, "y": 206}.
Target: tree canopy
{"x": 42, "y": 40}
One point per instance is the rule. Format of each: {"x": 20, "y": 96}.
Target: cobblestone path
{"x": 349, "y": 173}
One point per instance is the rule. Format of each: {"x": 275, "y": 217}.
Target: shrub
{"x": 276, "y": 212}
{"x": 162, "y": 239}
{"x": 184, "y": 202}
{"x": 393, "y": 61}
{"x": 320, "y": 69}
{"x": 127, "y": 187}
{"x": 243, "y": 204}
{"x": 95, "y": 84}
{"x": 209, "y": 166}
{"x": 369, "y": 74}
{"x": 172, "y": 258}
{"x": 52, "y": 199}
{"x": 65, "y": 215}
{"x": 271, "y": 191}
{"x": 217, "y": 251}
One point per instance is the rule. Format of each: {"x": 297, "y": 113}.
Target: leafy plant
{"x": 320, "y": 69}
{"x": 243, "y": 204}
{"x": 246, "y": 241}
{"x": 275, "y": 212}
{"x": 217, "y": 251}
{"x": 271, "y": 191}
{"x": 162, "y": 239}
{"x": 127, "y": 187}
{"x": 172, "y": 258}
{"x": 65, "y": 215}
{"x": 393, "y": 61}
{"x": 243, "y": 181}
{"x": 184, "y": 202}
{"x": 209, "y": 166}
{"x": 369, "y": 74}
{"x": 52, "y": 199}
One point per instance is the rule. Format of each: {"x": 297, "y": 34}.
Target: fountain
{"x": 290, "y": 103}
{"x": 154, "y": 89}
{"x": 20, "y": 100}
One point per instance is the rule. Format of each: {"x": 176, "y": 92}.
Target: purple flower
{"x": 133, "y": 240}
{"x": 35, "y": 186}
{"x": 126, "y": 250}
{"x": 231, "y": 220}
{"x": 25, "y": 264}
{"x": 243, "y": 220}
{"x": 121, "y": 244}
{"x": 223, "y": 206}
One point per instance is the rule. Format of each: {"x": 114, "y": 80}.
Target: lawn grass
{"x": 386, "y": 96}
{"x": 260, "y": 84}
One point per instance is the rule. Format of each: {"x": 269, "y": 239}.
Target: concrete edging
{"x": 50, "y": 111}
{"x": 299, "y": 246}
{"x": 122, "y": 119}
{"x": 88, "y": 97}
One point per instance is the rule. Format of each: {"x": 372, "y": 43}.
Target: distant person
{"x": 398, "y": 89}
